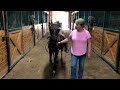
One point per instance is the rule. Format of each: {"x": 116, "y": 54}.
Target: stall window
{"x": 81, "y": 14}
{"x": 98, "y": 17}
{"x": 36, "y": 17}
{"x": 25, "y": 18}
{"x": 14, "y": 19}
{"x": 87, "y": 13}
{"x": 40, "y": 16}
{"x": 46, "y": 16}
{"x": 112, "y": 19}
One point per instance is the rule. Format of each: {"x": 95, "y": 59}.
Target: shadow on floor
{"x": 61, "y": 68}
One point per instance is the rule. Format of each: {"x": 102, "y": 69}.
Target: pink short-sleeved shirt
{"x": 79, "y": 42}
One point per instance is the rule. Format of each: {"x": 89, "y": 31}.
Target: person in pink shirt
{"x": 80, "y": 47}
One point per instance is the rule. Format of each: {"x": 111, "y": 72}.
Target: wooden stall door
{"x": 3, "y": 54}
{"x": 15, "y": 40}
{"x": 110, "y": 46}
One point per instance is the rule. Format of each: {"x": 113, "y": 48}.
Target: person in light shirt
{"x": 80, "y": 47}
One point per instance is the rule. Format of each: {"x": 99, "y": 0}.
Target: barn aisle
{"x": 35, "y": 65}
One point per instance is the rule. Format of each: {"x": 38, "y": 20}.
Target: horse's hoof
{"x": 56, "y": 62}
{"x": 53, "y": 73}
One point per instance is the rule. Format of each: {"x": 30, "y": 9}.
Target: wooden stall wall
{"x": 28, "y": 38}
{"x": 97, "y": 39}
{"x": 110, "y": 46}
{"x": 3, "y": 47}
{"x": 3, "y": 54}
{"x": 105, "y": 43}
{"x": 37, "y": 33}
{"x": 16, "y": 49}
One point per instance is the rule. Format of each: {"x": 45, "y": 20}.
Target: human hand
{"x": 59, "y": 42}
{"x": 89, "y": 55}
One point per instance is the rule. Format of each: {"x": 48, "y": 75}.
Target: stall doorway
{"x": 61, "y": 16}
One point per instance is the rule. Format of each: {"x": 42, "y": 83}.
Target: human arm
{"x": 64, "y": 41}
{"x": 89, "y": 48}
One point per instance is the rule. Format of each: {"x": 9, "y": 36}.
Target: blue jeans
{"x": 74, "y": 60}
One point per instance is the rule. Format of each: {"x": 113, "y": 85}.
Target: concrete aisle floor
{"x": 35, "y": 65}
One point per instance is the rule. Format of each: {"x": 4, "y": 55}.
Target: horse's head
{"x": 91, "y": 21}
{"x": 58, "y": 23}
{"x": 54, "y": 31}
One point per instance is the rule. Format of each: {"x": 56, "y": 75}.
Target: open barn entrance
{"x": 61, "y": 16}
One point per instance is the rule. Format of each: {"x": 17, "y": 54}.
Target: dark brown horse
{"x": 54, "y": 48}
{"x": 91, "y": 23}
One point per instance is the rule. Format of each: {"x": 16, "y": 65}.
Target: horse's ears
{"x": 51, "y": 22}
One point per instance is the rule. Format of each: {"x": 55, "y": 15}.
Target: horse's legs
{"x": 55, "y": 60}
{"x": 61, "y": 57}
{"x": 50, "y": 57}
{"x": 56, "y": 57}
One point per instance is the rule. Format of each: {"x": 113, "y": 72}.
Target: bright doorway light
{"x": 61, "y": 16}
